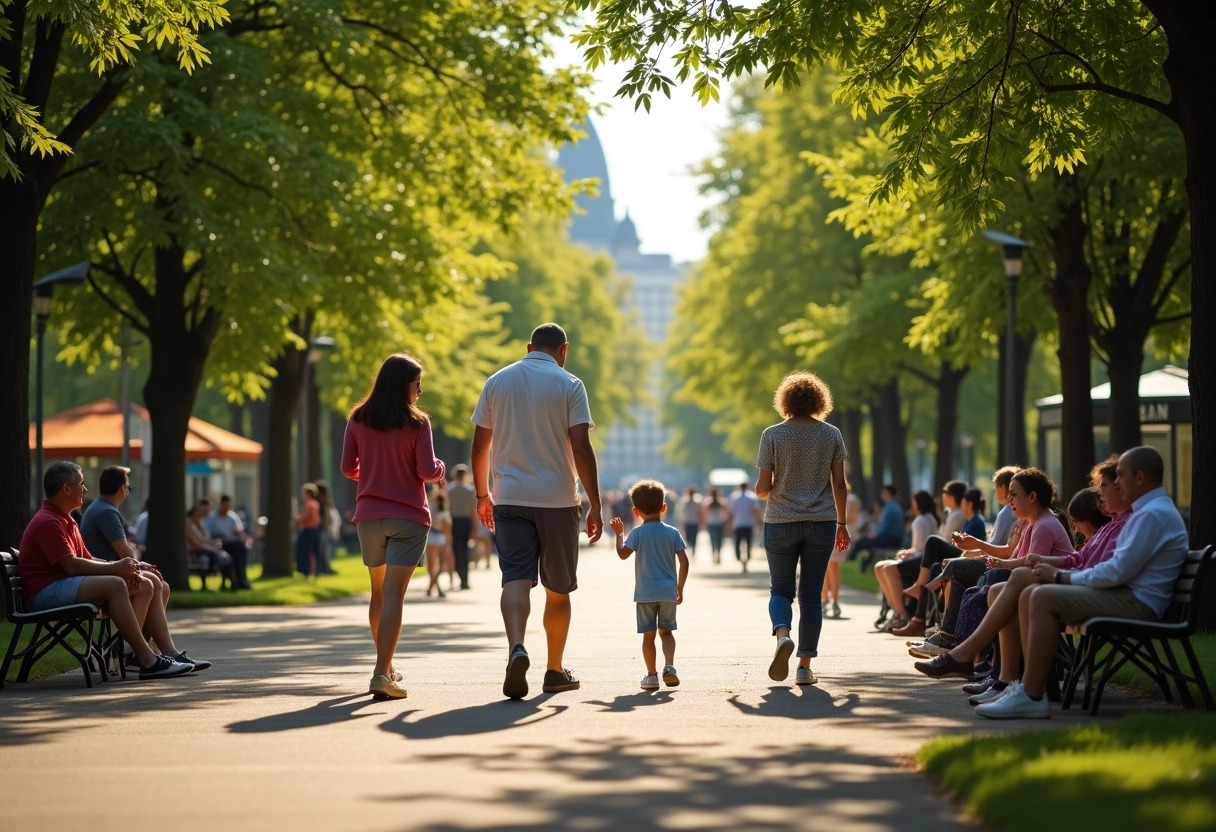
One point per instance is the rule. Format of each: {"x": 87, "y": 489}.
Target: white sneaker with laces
{"x": 1015, "y": 704}
{"x": 650, "y": 681}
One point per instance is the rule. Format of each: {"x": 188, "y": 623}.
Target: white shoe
{"x": 804, "y": 676}
{"x": 990, "y": 695}
{"x": 779, "y": 669}
{"x": 650, "y": 681}
{"x": 1015, "y": 704}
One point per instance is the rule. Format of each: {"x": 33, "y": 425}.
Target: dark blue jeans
{"x": 308, "y": 551}
{"x": 790, "y": 546}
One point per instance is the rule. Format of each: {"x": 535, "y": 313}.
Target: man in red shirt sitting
{"x": 57, "y": 570}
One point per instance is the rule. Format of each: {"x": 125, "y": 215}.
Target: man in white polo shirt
{"x": 533, "y": 427}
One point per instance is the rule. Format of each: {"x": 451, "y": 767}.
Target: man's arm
{"x": 90, "y": 566}
{"x": 483, "y": 438}
{"x": 589, "y": 476}
{"x": 124, "y": 549}
{"x": 1139, "y": 541}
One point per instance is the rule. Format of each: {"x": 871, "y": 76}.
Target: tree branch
{"x": 38, "y": 82}
{"x": 1166, "y": 110}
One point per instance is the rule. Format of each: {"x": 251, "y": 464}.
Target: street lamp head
{"x": 1012, "y": 249}
{"x": 319, "y": 345}
{"x": 44, "y": 289}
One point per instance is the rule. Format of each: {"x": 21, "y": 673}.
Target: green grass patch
{"x": 351, "y": 580}
{"x": 1132, "y": 677}
{"x": 1146, "y": 771}
{"x": 852, "y": 576}
{"x": 55, "y": 662}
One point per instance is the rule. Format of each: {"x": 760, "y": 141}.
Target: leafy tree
{"x": 37, "y": 132}
{"x": 329, "y": 166}
{"x": 971, "y": 90}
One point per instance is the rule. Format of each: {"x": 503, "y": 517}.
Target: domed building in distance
{"x": 629, "y": 452}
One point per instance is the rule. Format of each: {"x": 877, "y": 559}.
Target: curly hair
{"x": 1104, "y": 470}
{"x": 803, "y": 394}
{"x": 1037, "y": 482}
{"x": 647, "y": 496}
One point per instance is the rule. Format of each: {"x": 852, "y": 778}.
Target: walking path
{"x": 280, "y": 734}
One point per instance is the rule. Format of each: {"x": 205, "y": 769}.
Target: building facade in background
{"x": 629, "y": 451}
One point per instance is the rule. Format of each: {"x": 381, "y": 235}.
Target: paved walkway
{"x": 281, "y": 735}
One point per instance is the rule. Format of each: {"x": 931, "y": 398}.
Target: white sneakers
{"x": 1015, "y": 703}
{"x": 779, "y": 670}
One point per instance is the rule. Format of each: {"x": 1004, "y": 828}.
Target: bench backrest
{"x": 1184, "y": 605}
{"x": 11, "y": 576}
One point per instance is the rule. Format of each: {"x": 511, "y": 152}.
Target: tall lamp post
{"x": 1012, "y": 249}
{"x": 316, "y": 348}
{"x": 44, "y": 290}
{"x": 967, "y": 440}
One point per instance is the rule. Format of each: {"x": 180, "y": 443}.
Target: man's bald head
{"x": 1147, "y": 461}
{"x": 1139, "y": 471}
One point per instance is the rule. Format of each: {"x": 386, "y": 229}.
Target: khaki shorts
{"x": 1078, "y": 604}
{"x": 392, "y": 541}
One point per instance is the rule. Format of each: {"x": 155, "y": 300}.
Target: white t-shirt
{"x": 531, "y": 406}
{"x": 743, "y": 508}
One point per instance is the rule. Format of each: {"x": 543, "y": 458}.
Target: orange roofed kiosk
{"x": 217, "y": 461}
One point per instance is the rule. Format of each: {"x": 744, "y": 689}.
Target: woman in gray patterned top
{"x": 801, "y": 464}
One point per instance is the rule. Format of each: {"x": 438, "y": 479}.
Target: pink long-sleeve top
{"x": 392, "y": 468}
{"x": 1101, "y": 546}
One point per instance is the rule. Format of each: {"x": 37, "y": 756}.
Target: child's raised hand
{"x": 618, "y": 526}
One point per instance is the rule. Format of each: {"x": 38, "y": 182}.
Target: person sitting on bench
{"x": 57, "y": 571}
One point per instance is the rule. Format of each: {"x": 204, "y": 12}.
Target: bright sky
{"x": 649, "y": 156}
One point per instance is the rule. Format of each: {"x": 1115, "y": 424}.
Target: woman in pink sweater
{"x": 389, "y": 450}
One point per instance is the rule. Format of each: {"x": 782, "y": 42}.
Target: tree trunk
{"x": 1126, "y": 357}
{"x": 878, "y": 460}
{"x": 236, "y": 419}
{"x": 20, "y": 204}
{"x": 895, "y": 442}
{"x": 850, "y": 427}
{"x": 1190, "y": 70}
{"x": 282, "y": 404}
{"x": 1069, "y": 292}
{"x": 949, "y": 384}
{"x": 1023, "y": 347}
{"x": 179, "y": 348}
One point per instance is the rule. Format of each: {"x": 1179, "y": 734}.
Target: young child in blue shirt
{"x": 658, "y": 588}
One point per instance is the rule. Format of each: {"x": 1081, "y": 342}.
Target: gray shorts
{"x": 539, "y": 543}
{"x": 392, "y": 541}
{"x": 654, "y": 615}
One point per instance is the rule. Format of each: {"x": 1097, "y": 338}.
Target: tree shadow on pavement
{"x": 477, "y": 719}
{"x": 620, "y": 783}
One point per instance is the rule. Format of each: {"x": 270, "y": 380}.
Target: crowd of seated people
{"x": 1134, "y": 550}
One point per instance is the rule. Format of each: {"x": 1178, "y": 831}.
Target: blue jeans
{"x": 791, "y": 545}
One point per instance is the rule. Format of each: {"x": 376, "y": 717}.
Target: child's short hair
{"x": 647, "y": 496}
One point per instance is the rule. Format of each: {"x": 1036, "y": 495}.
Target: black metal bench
{"x": 204, "y": 566}
{"x": 1107, "y": 644}
{"x": 53, "y": 628}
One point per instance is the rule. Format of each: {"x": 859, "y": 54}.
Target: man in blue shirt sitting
{"x": 1137, "y": 582}
{"x": 890, "y": 533}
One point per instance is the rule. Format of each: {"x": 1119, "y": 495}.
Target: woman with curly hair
{"x": 801, "y": 462}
